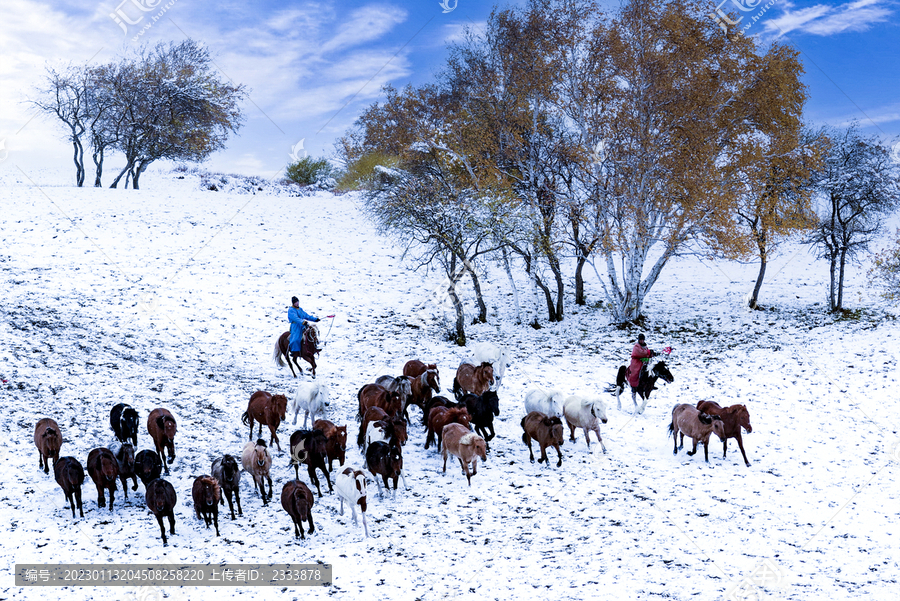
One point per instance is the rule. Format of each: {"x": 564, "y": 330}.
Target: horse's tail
{"x": 620, "y": 377}
{"x": 277, "y": 355}
{"x": 457, "y": 389}
{"x": 672, "y": 426}
{"x": 245, "y": 418}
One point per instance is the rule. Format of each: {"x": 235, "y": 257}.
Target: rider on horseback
{"x": 296, "y": 316}
{"x": 640, "y": 355}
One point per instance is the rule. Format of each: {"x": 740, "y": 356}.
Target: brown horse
{"x": 48, "y": 440}
{"x": 267, "y": 409}
{"x": 373, "y": 395}
{"x": 548, "y": 431}
{"x": 297, "y": 500}
{"x": 162, "y": 428}
{"x": 733, "y": 418}
{"x": 422, "y": 386}
{"x": 309, "y": 348}
{"x": 440, "y": 417}
{"x": 336, "y": 437}
{"x": 473, "y": 380}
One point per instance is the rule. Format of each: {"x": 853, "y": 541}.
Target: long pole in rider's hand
{"x": 325, "y": 340}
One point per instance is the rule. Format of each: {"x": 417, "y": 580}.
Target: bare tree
{"x": 858, "y": 187}
{"x": 65, "y": 95}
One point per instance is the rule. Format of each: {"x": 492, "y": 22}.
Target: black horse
{"x": 309, "y": 348}
{"x": 646, "y": 383}
{"x": 483, "y": 409}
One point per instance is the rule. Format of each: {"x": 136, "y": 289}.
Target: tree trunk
{"x": 79, "y": 161}
{"x": 453, "y": 277}
{"x": 560, "y": 286}
{"x": 832, "y": 306}
{"x": 840, "y": 290}
{"x": 141, "y": 167}
{"x": 754, "y": 299}
{"x": 551, "y": 309}
{"x": 482, "y": 308}
{"x": 512, "y": 285}
{"x": 121, "y": 173}
{"x": 98, "y": 164}
{"x": 579, "y": 279}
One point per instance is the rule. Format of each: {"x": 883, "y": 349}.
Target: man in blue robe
{"x": 296, "y": 316}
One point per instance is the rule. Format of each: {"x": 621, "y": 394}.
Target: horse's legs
{"x": 681, "y": 446}
{"x": 171, "y": 522}
{"x": 572, "y": 432}
{"x": 269, "y": 478}
{"x": 558, "y": 452}
{"x": 706, "y": 450}
{"x": 724, "y": 448}
{"x": 162, "y": 528}
{"x": 675, "y": 441}
{"x": 327, "y": 476}
{"x": 543, "y": 456}
{"x": 305, "y": 417}
{"x": 230, "y": 503}
{"x": 527, "y": 440}
{"x": 405, "y": 485}
{"x": 378, "y": 484}
{"x": 693, "y": 451}
{"x": 587, "y": 436}
{"x": 274, "y": 438}
{"x": 312, "y": 476}
{"x": 312, "y": 527}
{"x": 741, "y": 445}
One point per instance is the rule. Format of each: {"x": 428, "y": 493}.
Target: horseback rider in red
{"x": 640, "y": 354}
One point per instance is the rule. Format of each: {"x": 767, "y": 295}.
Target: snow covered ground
{"x": 173, "y": 297}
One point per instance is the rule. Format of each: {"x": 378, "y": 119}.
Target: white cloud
{"x": 826, "y": 20}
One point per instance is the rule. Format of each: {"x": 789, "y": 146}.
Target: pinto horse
{"x": 309, "y": 348}
{"x": 646, "y": 383}
{"x": 267, "y": 409}
{"x": 473, "y": 379}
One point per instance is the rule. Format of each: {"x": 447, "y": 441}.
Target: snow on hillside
{"x": 173, "y": 296}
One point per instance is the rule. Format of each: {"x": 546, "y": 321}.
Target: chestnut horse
{"x": 473, "y": 380}
{"x": 267, "y": 409}
{"x": 336, "y": 437}
{"x": 373, "y": 395}
{"x": 440, "y": 417}
{"x": 309, "y": 348}
{"x": 424, "y": 379}
{"x": 733, "y": 418}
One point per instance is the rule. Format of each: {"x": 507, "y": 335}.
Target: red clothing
{"x": 633, "y": 373}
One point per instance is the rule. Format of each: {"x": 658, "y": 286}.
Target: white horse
{"x": 485, "y": 352}
{"x": 310, "y": 397}
{"x": 548, "y": 402}
{"x": 585, "y": 412}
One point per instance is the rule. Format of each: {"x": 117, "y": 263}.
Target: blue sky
{"x": 313, "y": 66}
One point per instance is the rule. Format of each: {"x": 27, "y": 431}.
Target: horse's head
{"x": 432, "y": 380}
{"x": 169, "y": 426}
{"x": 598, "y": 410}
{"x": 718, "y": 427}
{"x": 487, "y": 370}
{"x": 661, "y": 371}
{"x": 279, "y": 405}
{"x": 743, "y": 417}
{"x": 492, "y": 400}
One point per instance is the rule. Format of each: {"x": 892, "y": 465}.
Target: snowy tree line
{"x": 163, "y": 102}
{"x": 622, "y": 139}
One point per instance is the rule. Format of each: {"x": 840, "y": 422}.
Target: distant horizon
{"x": 312, "y": 68}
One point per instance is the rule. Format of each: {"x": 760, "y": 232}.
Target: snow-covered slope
{"x": 173, "y": 297}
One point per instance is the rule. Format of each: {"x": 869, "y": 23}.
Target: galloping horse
{"x": 309, "y": 347}
{"x": 646, "y": 383}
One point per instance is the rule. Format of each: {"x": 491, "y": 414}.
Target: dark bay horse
{"x": 646, "y": 383}
{"x": 309, "y": 348}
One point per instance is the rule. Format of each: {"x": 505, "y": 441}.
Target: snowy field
{"x": 173, "y": 297}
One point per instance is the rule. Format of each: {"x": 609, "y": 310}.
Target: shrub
{"x": 308, "y": 171}
{"x": 360, "y": 171}
{"x": 885, "y": 271}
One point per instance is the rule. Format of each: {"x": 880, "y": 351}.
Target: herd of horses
{"x": 462, "y": 428}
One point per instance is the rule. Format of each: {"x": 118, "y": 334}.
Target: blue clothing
{"x": 296, "y": 317}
